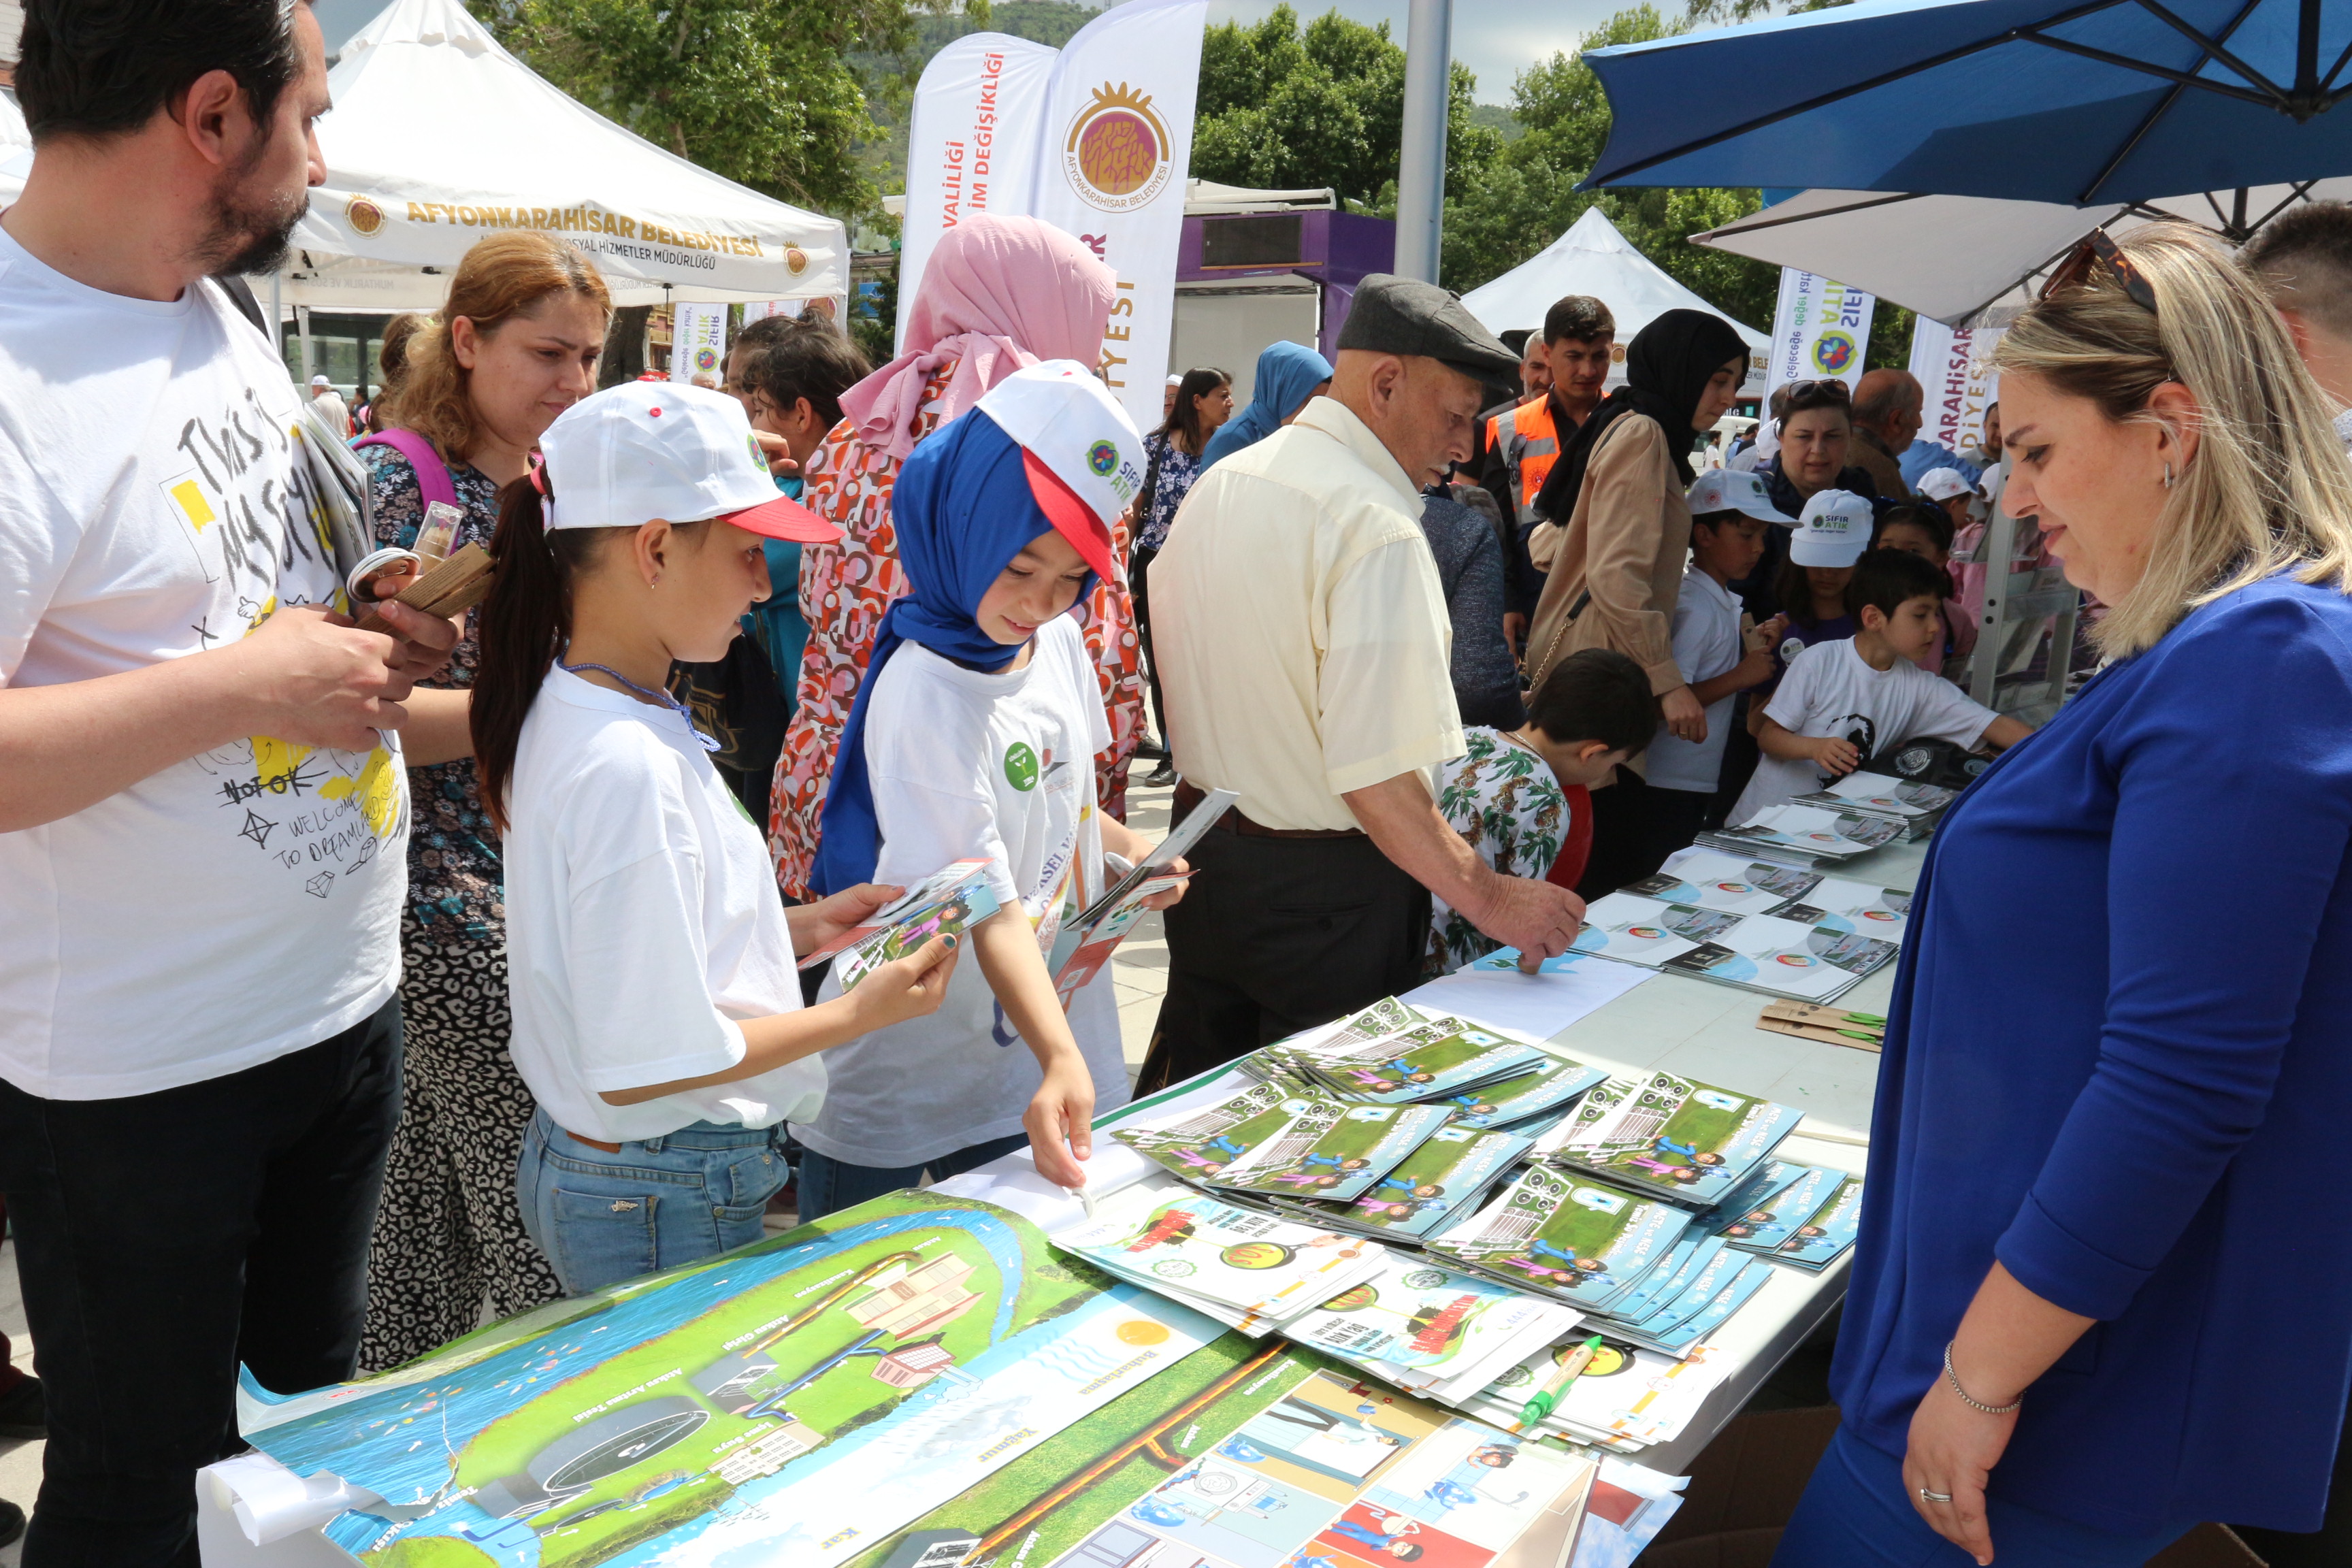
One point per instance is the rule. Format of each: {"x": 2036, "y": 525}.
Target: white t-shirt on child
{"x": 1706, "y": 644}
{"x": 967, "y": 765}
{"x": 642, "y": 920}
{"x": 241, "y": 904}
{"x": 1830, "y": 689}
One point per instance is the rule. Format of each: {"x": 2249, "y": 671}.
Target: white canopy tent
{"x": 439, "y": 137}
{"x": 1965, "y": 260}
{"x": 1593, "y": 259}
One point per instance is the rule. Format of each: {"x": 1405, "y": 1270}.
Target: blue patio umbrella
{"x": 2109, "y": 101}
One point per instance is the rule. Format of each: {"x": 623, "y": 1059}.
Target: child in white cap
{"x": 658, "y": 1015}
{"x": 1832, "y": 531}
{"x": 1731, "y": 514}
{"x": 1843, "y": 703}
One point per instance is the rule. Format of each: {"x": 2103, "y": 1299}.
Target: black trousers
{"x": 1138, "y": 582}
{"x": 1277, "y": 936}
{"x": 161, "y": 1239}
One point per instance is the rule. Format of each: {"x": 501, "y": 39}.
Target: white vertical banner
{"x": 1117, "y": 145}
{"x": 973, "y": 144}
{"x": 697, "y": 341}
{"x": 1954, "y": 365}
{"x": 1820, "y": 331}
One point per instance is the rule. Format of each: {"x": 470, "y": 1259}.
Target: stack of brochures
{"x": 1430, "y": 1331}
{"x": 1248, "y": 1271}
{"x": 1710, "y": 879}
{"x": 1448, "y": 1176}
{"x": 1806, "y": 836}
{"x": 1806, "y": 1215}
{"x": 1802, "y": 952}
{"x": 1672, "y": 1138}
{"x": 1436, "y": 1060}
{"x": 1917, "y": 806}
{"x": 1289, "y": 1137}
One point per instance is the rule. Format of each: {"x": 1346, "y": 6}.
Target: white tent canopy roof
{"x": 1207, "y": 196}
{"x": 1958, "y": 258}
{"x": 1593, "y": 259}
{"x": 439, "y": 137}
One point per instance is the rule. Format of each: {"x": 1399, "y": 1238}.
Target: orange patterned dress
{"x": 845, "y": 587}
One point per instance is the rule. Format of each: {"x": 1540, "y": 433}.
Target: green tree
{"x": 1286, "y": 107}
{"x": 762, "y": 91}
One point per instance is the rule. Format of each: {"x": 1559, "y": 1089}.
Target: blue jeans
{"x": 652, "y": 1204}
{"x": 827, "y": 1184}
{"x": 1856, "y": 1513}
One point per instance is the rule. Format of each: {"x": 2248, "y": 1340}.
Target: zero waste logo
{"x": 1021, "y": 766}
{"x": 1102, "y": 458}
{"x": 1832, "y": 352}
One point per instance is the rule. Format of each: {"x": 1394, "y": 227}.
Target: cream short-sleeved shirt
{"x": 1300, "y": 626}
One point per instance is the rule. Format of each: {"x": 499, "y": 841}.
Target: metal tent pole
{"x": 303, "y": 326}
{"x": 1421, "y": 168}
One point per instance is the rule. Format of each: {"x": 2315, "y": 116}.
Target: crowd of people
{"x": 358, "y": 985}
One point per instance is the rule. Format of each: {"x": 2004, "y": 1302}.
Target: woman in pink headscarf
{"x": 998, "y": 293}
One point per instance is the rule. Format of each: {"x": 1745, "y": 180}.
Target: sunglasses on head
{"x": 1833, "y": 389}
{"x": 2098, "y": 247}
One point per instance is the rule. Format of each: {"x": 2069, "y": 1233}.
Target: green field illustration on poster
{"x": 793, "y": 1401}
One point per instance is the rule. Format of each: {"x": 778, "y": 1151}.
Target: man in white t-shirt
{"x": 1842, "y": 703}
{"x": 203, "y": 807}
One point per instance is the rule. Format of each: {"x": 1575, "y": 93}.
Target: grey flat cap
{"x": 1394, "y": 315}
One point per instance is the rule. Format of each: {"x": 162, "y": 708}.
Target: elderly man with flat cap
{"x": 1304, "y": 639}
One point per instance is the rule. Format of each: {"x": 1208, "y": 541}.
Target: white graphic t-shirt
{"x": 1831, "y": 689}
{"x": 967, "y": 765}
{"x": 246, "y": 903}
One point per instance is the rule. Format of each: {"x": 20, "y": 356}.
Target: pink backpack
{"x": 433, "y": 481}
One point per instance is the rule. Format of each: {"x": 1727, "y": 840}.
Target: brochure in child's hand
{"x": 945, "y": 903}
{"x": 1085, "y": 944}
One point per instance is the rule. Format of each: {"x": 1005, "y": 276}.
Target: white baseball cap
{"x": 1943, "y": 484}
{"x": 1084, "y": 459}
{"x": 1728, "y": 489}
{"x": 648, "y": 449}
{"x": 1832, "y": 531}
{"x": 319, "y": 381}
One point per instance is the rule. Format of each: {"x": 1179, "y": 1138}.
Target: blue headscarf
{"x": 963, "y": 510}
{"x": 1287, "y": 373}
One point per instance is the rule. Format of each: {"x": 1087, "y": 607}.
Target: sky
{"x": 1496, "y": 38}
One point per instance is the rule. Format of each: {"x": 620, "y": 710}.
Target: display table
{"x": 1694, "y": 1028}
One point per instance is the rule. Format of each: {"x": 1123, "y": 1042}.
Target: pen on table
{"x": 1532, "y": 1413}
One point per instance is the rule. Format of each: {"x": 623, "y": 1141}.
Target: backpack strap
{"x": 434, "y": 480}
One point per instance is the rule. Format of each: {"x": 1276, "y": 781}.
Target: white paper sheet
{"x": 1570, "y": 988}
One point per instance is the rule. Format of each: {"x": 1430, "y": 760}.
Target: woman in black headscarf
{"x": 1617, "y": 534}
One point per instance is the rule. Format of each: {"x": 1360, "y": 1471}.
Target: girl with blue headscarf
{"x": 973, "y": 737}
{"x": 1287, "y": 375}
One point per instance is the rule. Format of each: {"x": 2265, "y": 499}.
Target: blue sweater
{"x": 2120, "y": 1061}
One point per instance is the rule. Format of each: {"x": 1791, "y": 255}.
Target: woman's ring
{"x": 1926, "y": 1496}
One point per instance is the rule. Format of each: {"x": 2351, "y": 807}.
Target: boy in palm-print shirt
{"x": 1508, "y": 794}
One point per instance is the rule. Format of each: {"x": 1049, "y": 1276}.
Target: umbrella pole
{"x": 1421, "y": 168}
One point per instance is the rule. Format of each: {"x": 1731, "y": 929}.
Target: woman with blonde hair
{"x": 514, "y": 345}
{"x": 2116, "y": 1046}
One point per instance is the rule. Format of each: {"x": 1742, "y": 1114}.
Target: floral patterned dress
{"x": 1504, "y": 801}
{"x": 845, "y": 587}
{"x": 449, "y": 1237}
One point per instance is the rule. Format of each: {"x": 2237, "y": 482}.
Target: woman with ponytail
{"x": 657, "y": 1014}
{"x": 515, "y": 345}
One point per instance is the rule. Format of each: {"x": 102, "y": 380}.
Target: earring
{"x": 2167, "y": 484}
{"x": 2168, "y": 476}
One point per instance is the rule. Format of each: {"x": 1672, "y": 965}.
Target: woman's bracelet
{"x": 1954, "y": 1379}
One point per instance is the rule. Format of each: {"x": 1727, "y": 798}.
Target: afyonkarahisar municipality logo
{"x": 1116, "y": 153}
{"x": 1832, "y": 352}
{"x": 364, "y": 217}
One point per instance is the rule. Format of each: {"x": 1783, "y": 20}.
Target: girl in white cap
{"x": 658, "y": 1016}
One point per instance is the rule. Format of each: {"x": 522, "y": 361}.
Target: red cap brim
{"x": 1073, "y": 518}
{"x": 785, "y": 518}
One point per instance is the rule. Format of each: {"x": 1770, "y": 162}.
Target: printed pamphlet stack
{"x": 1449, "y": 1176}
{"x": 1783, "y": 954}
{"x": 1802, "y": 1214}
{"x": 1673, "y": 1137}
{"x": 1432, "y": 1330}
{"x": 1917, "y": 806}
{"x": 1443, "y": 1058}
{"x": 1710, "y": 879}
{"x": 1288, "y": 1137}
{"x": 1806, "y": 836}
